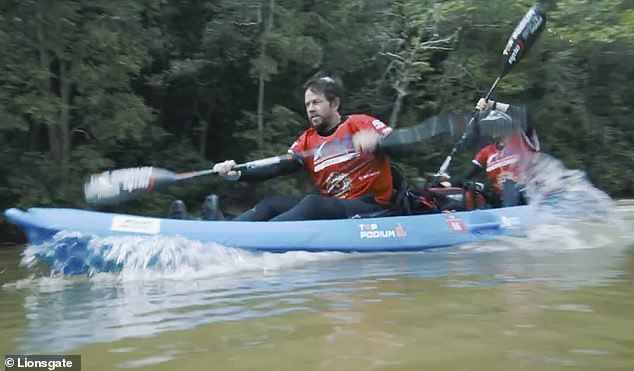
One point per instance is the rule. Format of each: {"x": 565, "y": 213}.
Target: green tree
{"x": 70, "y": 71}
{"x": 410, "y": 42}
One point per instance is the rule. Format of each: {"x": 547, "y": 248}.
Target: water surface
{"x": 559, "y": 298}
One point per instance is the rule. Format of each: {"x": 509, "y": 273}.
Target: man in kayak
{"x": 338, "y": 151}
{"x": 506, "y": 161}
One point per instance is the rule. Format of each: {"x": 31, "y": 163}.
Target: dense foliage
{"x": 90, "y": 85}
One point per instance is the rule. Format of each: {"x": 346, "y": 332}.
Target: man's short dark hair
{"x": 330, "y": 86}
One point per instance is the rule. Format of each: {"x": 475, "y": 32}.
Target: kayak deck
{"x": 395, "y": 233}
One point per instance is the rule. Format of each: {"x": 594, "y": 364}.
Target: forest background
{"x": 92, "y": 85}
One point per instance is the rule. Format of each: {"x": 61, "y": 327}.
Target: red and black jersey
{"x": 510, "y": 161}
{"x": 338, "y": 170}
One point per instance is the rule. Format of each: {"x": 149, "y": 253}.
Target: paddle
{"x": 116, "y": 186}
{"x": 402, "y": 140}
{"x": 518, "y": 44}
{"x": 121, "y": 185}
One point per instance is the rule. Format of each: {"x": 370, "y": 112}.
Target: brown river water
{"x": 559, "y": 298}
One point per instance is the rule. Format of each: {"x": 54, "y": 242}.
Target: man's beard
{"x": 321, "y": 123}
{"x": 316, "y": 121}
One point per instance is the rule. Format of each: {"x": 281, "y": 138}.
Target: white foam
{"x": 161, "y": 257}
{"x": 570, "y": 213}
{"x": 555, "y": 190}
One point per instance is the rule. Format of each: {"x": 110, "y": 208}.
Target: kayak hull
{"x": 396, "y": 233}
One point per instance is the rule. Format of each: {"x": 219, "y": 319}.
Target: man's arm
{"x": 260, "y": 169}
{"x": 366, "y": 140}
{"x": 470, "y": 172}
{"x": 518, "y": 113}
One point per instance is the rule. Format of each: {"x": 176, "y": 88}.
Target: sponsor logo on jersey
{"x": 381, "y": 127}
{"x": 338, "y": 184}
{"x": 366, "y": 176}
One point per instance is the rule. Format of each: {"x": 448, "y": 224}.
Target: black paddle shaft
{"x": 518, "y": 44}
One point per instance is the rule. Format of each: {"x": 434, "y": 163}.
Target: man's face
{"x": 500, "y": 142}
{"x": 321, "y": 113}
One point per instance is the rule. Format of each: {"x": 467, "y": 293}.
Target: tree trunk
{"x": 59, "y": 125}
{"x": 261, "y": 79}
{"x": 401, "y": 86}
{"x": 396, "y": 109}
{"x": 64, "y": 118}
{"x": 46, "y": 87}
{"x": 33, "y": 143}
{"x": 261, "y": 111}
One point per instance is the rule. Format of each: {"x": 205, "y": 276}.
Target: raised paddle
{"x": 524, "y": 35}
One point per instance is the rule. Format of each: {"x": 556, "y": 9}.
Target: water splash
{"x": 570, "y": 213}
{"x": 143, "y": 257}
{"x": 560, "y": 235}
{"x": 557, "y": 191}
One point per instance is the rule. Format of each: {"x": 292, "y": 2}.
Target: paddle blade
{"x": 523, "y": 37}
{"x": 446, "y": 126}
{"x": 116, "y": 186}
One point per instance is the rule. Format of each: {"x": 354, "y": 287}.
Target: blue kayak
{"x": 394, "y": 233}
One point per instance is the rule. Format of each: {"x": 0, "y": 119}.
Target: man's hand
{"x": 224, "y": 169}
{"x": 484, "y": 105}
{"x": 442, "y": 179}
{"x": 487, "y": 105}
{"x": 366, "y": 141}
{"x": 473, "y": 186}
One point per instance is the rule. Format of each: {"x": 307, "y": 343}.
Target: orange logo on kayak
{"x": 456, "y": 225}
{"x": 400, "y": 231}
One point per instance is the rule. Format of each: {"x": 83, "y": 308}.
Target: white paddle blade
{"x": 115, "y": 186}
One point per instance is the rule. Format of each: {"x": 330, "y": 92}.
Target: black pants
{"x": 311, "y": 207}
